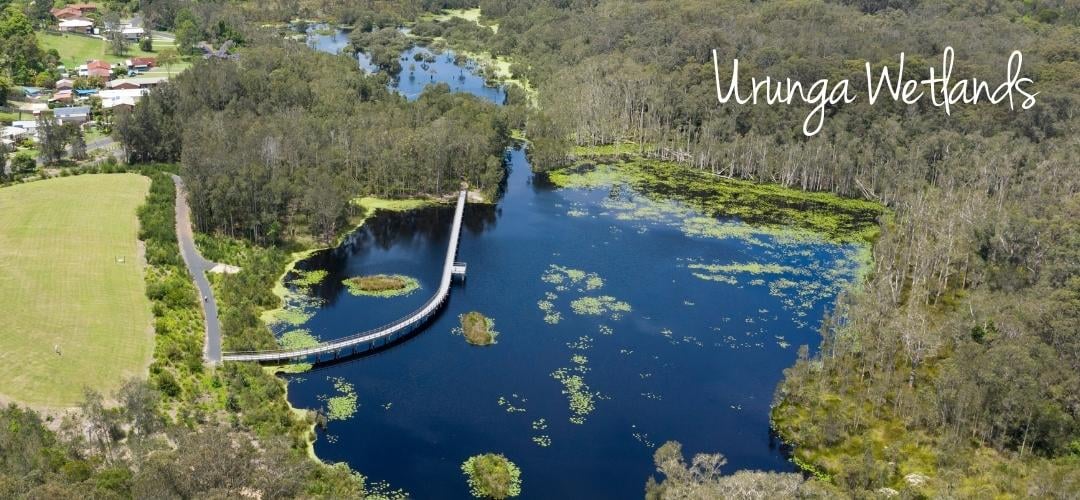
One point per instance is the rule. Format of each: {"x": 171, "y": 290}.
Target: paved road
{"x": 197, "y": 267}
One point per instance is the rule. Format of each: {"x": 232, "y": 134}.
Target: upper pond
{"x": 420, "y": 66}
{"x": 620, "y": 327}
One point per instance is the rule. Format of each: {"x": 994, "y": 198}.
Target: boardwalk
{"x": 197, "y": 267}
{"x": 376, "y": 337}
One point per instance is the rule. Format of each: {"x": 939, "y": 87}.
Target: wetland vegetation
{"x": 477, "y": 328}
{"x": 492, "y": 476}
{"x": 382, "y": 285}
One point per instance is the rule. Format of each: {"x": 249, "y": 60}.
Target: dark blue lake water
{"x": 620, "y": 327}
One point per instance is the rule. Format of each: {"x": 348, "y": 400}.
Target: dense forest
{"x": 954, "y": 368}
{"x": 277, "y": 142}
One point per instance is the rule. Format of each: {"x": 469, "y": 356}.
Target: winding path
{"x": 198, "y": 266}
{"x": 383, "y": 335}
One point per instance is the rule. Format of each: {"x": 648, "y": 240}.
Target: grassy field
{"x": 70, "y": 275}
{"x": 76, "y": 50}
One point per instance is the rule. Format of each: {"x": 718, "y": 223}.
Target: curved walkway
{"x": 198, "y": 266}
{"x": 376, "y": 337}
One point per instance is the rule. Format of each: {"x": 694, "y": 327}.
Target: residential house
{"x": 12, "y": 134}
{"x": 139, "y": 82}
{"x": 84, "y": 93}
{"x": 96, "y": 68}
{"x": 61, "y": 96}
{"x": 65, "y": 84}
{"x": 140, "y": 64}
{"x": 114, "y": 97}
{"x": 29, "y": 126}
{"x": 127, "y": 103}
{"x": 74, "y": 114}
{"x": 73, "y": 10}
{"x": 77, "y": 25}
{"x": 133, "y": 33}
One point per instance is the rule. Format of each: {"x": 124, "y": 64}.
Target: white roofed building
{"x": 116, "y": 97}
{"x": 77, "y": 25}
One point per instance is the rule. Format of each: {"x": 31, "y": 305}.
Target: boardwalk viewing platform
{"x": 376, "y": 337}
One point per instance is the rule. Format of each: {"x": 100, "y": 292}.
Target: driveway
{"x": 197, "y": 267}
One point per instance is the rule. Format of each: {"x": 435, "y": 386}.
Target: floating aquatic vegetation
{"x": 304, "y": 280}
{"x": 652, "y": 396}
{"x": 748, "y": 267}
{"x": 583, "y": 342}
{"x": 577, "y": 393}
{"x": 606, "y": 330}
{"x": 577, "y": 213}
{"x": 552, "y": 277}
{"x": 643, "y": 438}
{"x": 772, "y": 209}
{"x": 539, "y": 424}
{"x": 564, "y": 278}
{"x": 296, "y": 311}
{"x": 542, "y": 440}
{"x": 509, "y": 405}
{"x": 298, "y": 339}
{"x": 596, "y": 306}
{"x": 342, "y": 406}
{"x": 551, "y": 316}
{"x": 382, "y": 285}
{"x": 387, "y": 406}
{"x": 582, "y": 401}
{"x": 559, "y": 275}
{"x": 717, "y": 277}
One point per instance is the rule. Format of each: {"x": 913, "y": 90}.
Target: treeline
{"x": 131, "y": 450}
{"x": 276, "y": 144}
{"x": 955, "y": 368}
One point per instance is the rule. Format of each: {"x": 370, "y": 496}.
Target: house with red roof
{"x": 77, "y": 10}
{"x": 140, "y": 63}
{"x": 96, "y": 68}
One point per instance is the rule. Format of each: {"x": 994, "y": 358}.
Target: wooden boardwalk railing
{"x": 382, "y": 335}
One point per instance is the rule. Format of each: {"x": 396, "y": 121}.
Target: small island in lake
{"x": 492, "y": 476}
{"x": 477, "y": 328}
{"x": 382, "y": 285}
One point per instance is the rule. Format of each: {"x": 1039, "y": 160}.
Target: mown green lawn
{"x": 75, "y": 50}
{"x": 71, "y": 276}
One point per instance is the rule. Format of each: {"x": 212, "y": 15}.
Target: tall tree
{"x": 52, "y": 138}
{"x": 77, "y": 141}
